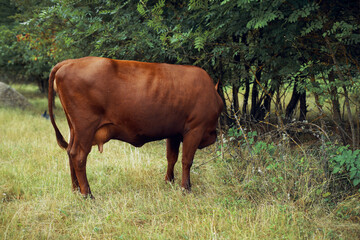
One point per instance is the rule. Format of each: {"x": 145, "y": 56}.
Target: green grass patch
{"x": 133, "y": 201}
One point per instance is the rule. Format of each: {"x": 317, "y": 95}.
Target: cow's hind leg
{"x": 172, "y": 153}
{"x": 74, "y": 180}
{"x": 78, "y": 156}
{"x": 191, "y": 142}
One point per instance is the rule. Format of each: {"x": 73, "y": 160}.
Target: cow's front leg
{"x": 172, "y": 153}
{"x": 191, "y": 142}
{"x": 78, "y": 156}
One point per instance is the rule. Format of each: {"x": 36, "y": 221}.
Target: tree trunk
{"x": 336, "y": 108}
{"x": 278, "y": 107}
{"x": 43, "y": 84}
{"x": 247, "y": 93}
{"x": 224, "y": 118}
{"x": 235, "y": 97}
{"x": 267, "y": 100}
{"x": 292, "y": 104}
{"x": 254, "y": 96}
{"x": 235, "y": 85}
{"x": 337, "y": 105}
{"x": 303, "y": 107}
{"x": 357, "y": 113}
{"x": 316, "y": 96}
{"x": 265, "y": 108}
{"x": 351, "y": 121}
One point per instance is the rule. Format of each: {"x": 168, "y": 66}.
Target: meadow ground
{"x": 132, "y": 199}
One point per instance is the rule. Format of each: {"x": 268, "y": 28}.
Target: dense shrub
{"x": 273, "y": 167}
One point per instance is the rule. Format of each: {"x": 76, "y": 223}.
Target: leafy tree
{"x": 260, "y": 48}
{"x": 7, "y": 10}
{"x": 265, "y": 45}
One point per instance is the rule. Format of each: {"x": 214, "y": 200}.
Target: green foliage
{"x": 270, "y": 167}
{"x": 345, "y": 32}
{"x": 261, "y": 19}
{"x": 60, "y": 30}
{"x": 199, "y": 43}
{"x": 277, "y": 36}
{"x": 198, "y": 4}
{"x": 7, "y": 10}
{"x": 244, "y": 138}
{"x": 6, "y": 46}
{"x": 347, "y": 161}
{"x": 282, "y": 41}
{"x": 350, "y": 209}
{"x": 303, "y": 12}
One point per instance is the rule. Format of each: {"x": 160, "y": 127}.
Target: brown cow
{"x": 135, "y": 102}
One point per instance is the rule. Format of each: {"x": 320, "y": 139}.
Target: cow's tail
{"x": 59, "y": 137}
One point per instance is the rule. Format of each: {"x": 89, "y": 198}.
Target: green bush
{"x": 271, "y": 168}
{"x": 347, "y": 161}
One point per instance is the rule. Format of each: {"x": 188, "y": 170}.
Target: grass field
{"x": 132, "y": 199}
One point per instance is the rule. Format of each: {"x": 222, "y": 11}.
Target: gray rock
{"x": 9, "y": 97}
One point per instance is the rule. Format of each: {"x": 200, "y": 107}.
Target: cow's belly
{"x": 133, "y": 134}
